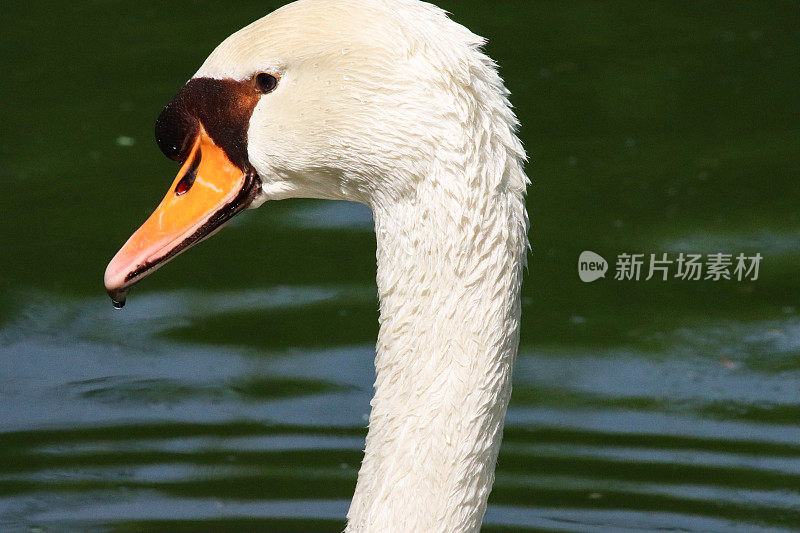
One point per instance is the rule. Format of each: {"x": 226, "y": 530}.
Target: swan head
{"x": 334, "y": 99}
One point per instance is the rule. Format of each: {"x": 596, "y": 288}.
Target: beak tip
{"x": 118, "y": 296}
{"x": 115, "y": 286}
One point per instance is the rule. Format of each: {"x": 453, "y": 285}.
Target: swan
{"x": 392, "y": 104}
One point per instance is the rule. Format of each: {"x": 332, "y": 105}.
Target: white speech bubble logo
{"x": 591, "y": 267}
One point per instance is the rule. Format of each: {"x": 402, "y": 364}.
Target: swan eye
{"x": 266, "y": 82}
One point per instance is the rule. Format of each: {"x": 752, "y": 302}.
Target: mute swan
{"x": 391, "y": 104}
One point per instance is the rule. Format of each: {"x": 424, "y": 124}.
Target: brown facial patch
{"x": 223, "y": 107}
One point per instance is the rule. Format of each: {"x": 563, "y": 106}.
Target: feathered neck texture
{"x": 450, "y": 255}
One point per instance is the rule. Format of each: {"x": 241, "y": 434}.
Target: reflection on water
{"x": 150, "y": 430}
{"x": 231, "y": 393}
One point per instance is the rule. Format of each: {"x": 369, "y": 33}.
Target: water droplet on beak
{"x": 118, "y": 298}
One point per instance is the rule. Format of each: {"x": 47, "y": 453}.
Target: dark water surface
{"x": 231, "y": 394}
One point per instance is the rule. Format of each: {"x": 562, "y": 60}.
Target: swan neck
{"x": 449, "y": 268}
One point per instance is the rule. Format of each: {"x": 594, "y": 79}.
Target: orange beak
{"x": 208, "y": 191}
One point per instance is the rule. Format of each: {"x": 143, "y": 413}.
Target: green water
{"x": 231, "y": 393}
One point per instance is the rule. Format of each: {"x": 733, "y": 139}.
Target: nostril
{"x": 184, "y": 185}
{"x": 187, "y": 180}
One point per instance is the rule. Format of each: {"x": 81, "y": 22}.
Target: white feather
{"x": 392, "y": 104}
